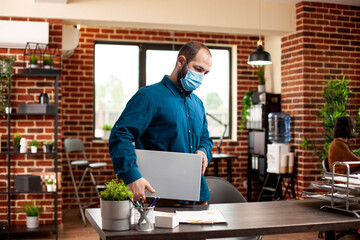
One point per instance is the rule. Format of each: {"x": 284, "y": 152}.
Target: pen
{"x": 141, "y": 202}
{"x": 154, "y": 201}
{"x": 132, "y": 201}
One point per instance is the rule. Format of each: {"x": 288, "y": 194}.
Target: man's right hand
{"x": 138, "y": 188}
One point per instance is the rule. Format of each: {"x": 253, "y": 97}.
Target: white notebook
{"x": 173, "y": 175}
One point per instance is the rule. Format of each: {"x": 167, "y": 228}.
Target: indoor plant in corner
{"x": 33, "y": 212}
{"x": 116, "y": 206}
{"x": 6, "y": 72}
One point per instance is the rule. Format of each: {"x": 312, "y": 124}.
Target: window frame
{"x": 143, "y": 46}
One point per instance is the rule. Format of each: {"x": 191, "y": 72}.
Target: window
{"x": 122, "y": 68}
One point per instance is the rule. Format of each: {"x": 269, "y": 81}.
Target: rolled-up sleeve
{"x": 129, "y": 127}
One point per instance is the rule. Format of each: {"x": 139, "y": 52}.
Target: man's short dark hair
{"x": 190, "y": 49}
{"x": 344, "y": 127}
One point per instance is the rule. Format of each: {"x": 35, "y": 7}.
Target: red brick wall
{"x": 31, "y": 127}
{"x": 326, "y": 45}
{"x": 78, "y": 93}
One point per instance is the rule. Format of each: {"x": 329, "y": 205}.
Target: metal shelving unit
{"x": 265, "y": 103}
{"x": 9, "y": 191}
{"x": 341, "y": 190}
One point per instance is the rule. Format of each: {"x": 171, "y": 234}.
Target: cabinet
{"x": 11, "y": 156}
{"x": 257, "y": 125}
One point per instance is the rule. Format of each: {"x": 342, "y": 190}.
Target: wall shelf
{"x": 14, "y": 230}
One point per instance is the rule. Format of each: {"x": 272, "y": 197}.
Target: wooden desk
{"x": 219, "y": 156}
{"x": 244, "y": 219}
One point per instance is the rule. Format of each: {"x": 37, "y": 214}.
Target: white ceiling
{"x": 343, "y": 2}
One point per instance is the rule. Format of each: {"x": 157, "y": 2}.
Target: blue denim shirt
{"x": 159, "y": 117}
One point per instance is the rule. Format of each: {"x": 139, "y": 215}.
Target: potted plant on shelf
{"x": 48, "y": 146}
{"x": 33, "y": 61}
{"x": 17, "y": 139}
{"x": 33, "y": 212}
{"x": 116, "y": 206}
{"x": 50, "y": 187}
{"x": 106, "y": 130}
{"x": 34, "y": 146}
{"x": 48, "y": 62}
{"x": 6, "y": 72}
{"x": 261, "y": 78}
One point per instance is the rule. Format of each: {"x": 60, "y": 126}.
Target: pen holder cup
{"x": 146, "y": 218}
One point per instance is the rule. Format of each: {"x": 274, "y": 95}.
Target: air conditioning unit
{"x": 15, "y": 34}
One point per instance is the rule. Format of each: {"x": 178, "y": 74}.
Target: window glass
{"x": 117, "y": 78}
{"x": 116, "y": 81}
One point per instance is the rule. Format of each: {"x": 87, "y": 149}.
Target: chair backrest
{"x": 73, "y": 145}
{"x": 325, "y": 165}
{"x": 222, "y": 191}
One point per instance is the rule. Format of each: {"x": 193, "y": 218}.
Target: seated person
{"x": 339, "y": 150}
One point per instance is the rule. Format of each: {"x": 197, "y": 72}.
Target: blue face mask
{"x": 192, "y": 80}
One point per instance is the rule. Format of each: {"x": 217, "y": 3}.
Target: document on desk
{"x": 201, "y": 217}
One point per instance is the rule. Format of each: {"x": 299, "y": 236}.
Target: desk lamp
{"x": 223, "y": 134}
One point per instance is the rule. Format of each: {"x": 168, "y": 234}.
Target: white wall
{"x": 229, "y": 16}
{"x": 223, "y": 16}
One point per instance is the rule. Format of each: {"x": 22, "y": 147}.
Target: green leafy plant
{"x": 247, "y": 101}
{"x": 49, "y": 181}
{"x": 33, "y": 59}
{"x": 17, "y": 139}
{"x": 106, "y": 127}
{"x": 116, "y": 191}
{"x": 336, "y": 96}
{"x": 48, "y": 60}
{"x": 6, "y": 72}
{"x": 260, "y": 74}
{"x": 48, "y": 143}
{"x": 34, "y": 143}
{"x": 31, "y": 209}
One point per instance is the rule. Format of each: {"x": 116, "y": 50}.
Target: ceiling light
{"x": 259, "y": 57}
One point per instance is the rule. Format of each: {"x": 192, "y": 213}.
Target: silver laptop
{"x": 173, "y": 175}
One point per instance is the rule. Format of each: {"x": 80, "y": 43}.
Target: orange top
{"x": 340, "y": 152}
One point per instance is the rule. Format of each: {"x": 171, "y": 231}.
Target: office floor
{"x": 73, "y": 229}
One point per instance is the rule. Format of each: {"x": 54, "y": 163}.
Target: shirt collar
{"x": 175, "y": 89}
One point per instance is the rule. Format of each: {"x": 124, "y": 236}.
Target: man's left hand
{"x": 204, "y": 161}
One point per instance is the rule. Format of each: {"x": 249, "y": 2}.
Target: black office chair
{"x": 221, "y": 191}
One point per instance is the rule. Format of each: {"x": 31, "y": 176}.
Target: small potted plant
{"x": 48, "y": 146}
{"x": 17, "y": 139}
{"x": 50, "y": 187}
{"x": 33, "y": 212}
{"x": 33, "y": 61}
{"x": 261, "y": 78}
{"x": 34, "y": 146}
{"x": 106, "y": 129}
{"x": 116, "y": 206}
{"x": 48, "y": 62}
